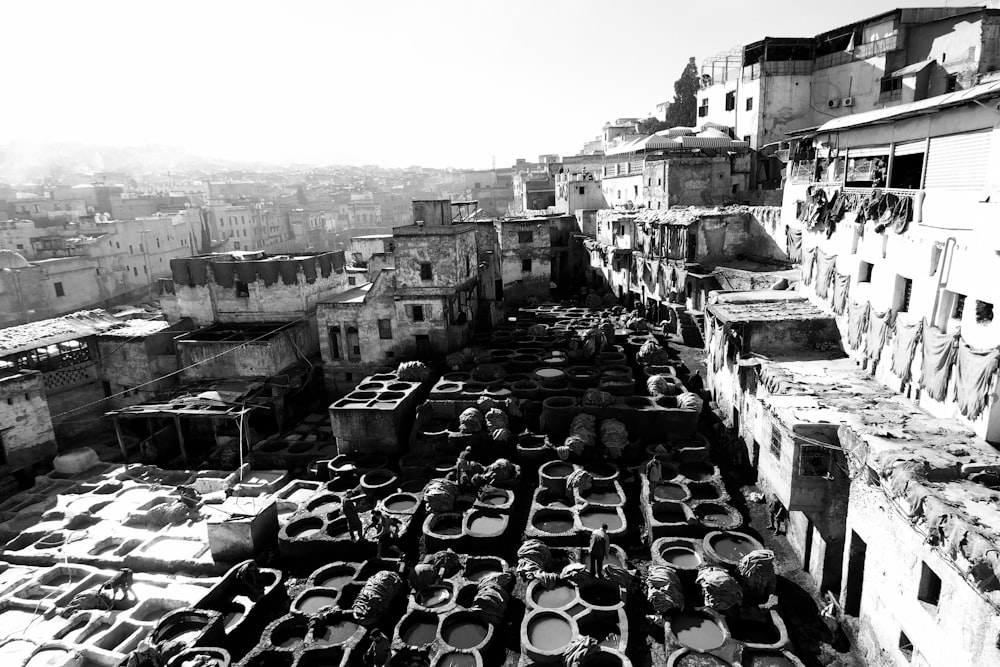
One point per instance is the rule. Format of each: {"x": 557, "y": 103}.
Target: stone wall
{"x": 26, "y": 431}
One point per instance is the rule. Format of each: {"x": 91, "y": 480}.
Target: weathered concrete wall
{"x": 961, "y": 629}
{"x": 696, "y": 181}
{"x": 25, "y": 425}
{"x": 252, "y": 359}
{"x": 724, "y": 236}
{"x": 572, "y": 195}
{"x": 954, "y": 43}
{"x": 518, "y": 283}
{"x": 451, "y": 252}
{"x": 788, "y": 337}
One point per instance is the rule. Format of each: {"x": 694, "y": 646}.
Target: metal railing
{"x": 870, "y": 50}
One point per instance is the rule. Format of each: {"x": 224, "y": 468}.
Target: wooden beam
{"x": 121, "y": 442}
{"x": 180, "y": 438}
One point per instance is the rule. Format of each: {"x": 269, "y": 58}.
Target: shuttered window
{"x": 909, "y": 148}
{"x": 959, "y": 161}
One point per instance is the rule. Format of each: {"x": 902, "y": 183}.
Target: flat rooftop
{"x": 355, "y": 295}
{"x": 765, "y": 306}
{"x": 235, "y": 333}
{"x": 43, "y": 333}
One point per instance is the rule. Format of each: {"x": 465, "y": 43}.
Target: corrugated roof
{"x": 355, "y": 295}
{"x": 915, "y": 68}
{"x": 81, "y": 324}
{"x": 890, "y": 114}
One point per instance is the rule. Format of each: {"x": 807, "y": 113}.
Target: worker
{"x": 463, "y": 467}
{"x": 354, "y": 525}
{"x": 778, "y": 517}
{"x": 424, "y": 576}
{"x": 599, "y": 544}
{"x": 384, "y": 531}
{"x": 378, "y": 651}
{"x": 654, "y": 470}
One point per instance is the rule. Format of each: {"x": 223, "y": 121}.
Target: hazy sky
{"x": 437, "y": 83}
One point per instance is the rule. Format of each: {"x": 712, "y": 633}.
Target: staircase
{"x": 692, "y": 323}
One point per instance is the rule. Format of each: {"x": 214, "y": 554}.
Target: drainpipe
{"x": 946, "y": 259}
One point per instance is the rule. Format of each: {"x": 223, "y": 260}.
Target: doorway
{"x": 855, "y": 575}
{"x": 423, "y": 347}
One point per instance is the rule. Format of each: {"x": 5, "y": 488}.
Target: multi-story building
{"x": 250, "y": 226}
{"x": 26, "y": 434}
{"x": 777, "y": 85}
{"x": 576, "y": 191}
{"x": 876, "y": 393}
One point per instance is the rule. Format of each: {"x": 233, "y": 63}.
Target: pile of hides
{"x": 593, "y": 340}
{"x": 652, "y": 354}
{"x": 501, "y": 472}
{"x": 488, "y": 373}
{"x": 614, "y": 437}
{"x": 689, "y": 401}
{"x": 593, "y": 302}
{"x": 575, "y": 572}
{"x": 720, "y": 590}
{"x": 158, "y": 516}
{"x": 582, "y": 433}
{"x": 636, "y": 323}
{"x": 456, "y": 360}
{"x": 497, "y": 424}
{"x": 578, "y": 480}
{"x": 597, "y": 399}
{"x": 491, "y": 600}
{"x": 757, "y": 573}
{"x": 471, "y": 421}
{"x": 661, "y": 385}
{"x": 533, "y": 557}
{"x": 609, "y": 300}
{"x": 440, "y": 494}
{"x": 538, "y": 329}
{"x": 664, "y": 590}
{"x": 608, "y": 331}
{"x": 446, "y": 560}
{"x": 577, "y": 651}
{"x": 413, "y": 371}
{"x": 618, "y": 575}
{"x": 375, "y": 596}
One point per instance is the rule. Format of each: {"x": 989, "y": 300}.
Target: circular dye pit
{"x": 553, "y": 522}
{"x": 447, "y": 525}
{"x": 604, "y": 497}
{"x": 419, "y": 631}
{"x": 482, "y": 524}
{"x": 48, "y": 657}
{"x": 337, "y": 632}
{"x": 554, "y": 598}
{"x": 549, "y": 632}
{"x": 697, "y": 472}
{"x": 456, "y": 660}
{"x": 463, "y": 633}
{"x": 335, "y": 578}
{"x": 732, "y": 546}
{"x": 434, "y": 597}
{"x": 681, "y": 557}
{"x": 595, "y": 518}
{"x": 703, "y": 491}
{"x": 325, "y": 504}
{"x": 667, "y": 512}
{"x": 495, "y": 499}
{"x": 312, "y": 603}
{"x": 304, "y": 528}
{"x": 697, "y": 631}
{"x": 600, "y": 594}
{"x": 290, "y": 634}
{"x": 712, "y": 514}
{"x": 400, "y": 503}
{"x": 557, "y": 469}
{"x": 766, "y": 659}
{"x": 753, "y": 631}
{"x": 480, "y": 570}
{"x": 669, "y": 491}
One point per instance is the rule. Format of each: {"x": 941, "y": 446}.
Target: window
{"x": 135, "y": 271}
{"x": 749, "y": 104}
{"x": 425, "y": 271}
{"x": 353, "y": 343}
{"x": 526, "y": 265}
{"x": 385, "y": 329}
{"x": 418, "y": 314}
{"x": 130, "y": 251}
{"x": 20, "y": 246}
{"x": 775, "y": 446}
{"x": 351, "y": 281}
{"x": 814, "y": 461}
{"x": 746, "y": 138}
{"x": 984, "y": 312}
{"x": 865, "y": 272}
{"x": 929, "y": 591}
{"x": 59, "y": 289}
{"x": 582, "y": 189}
{"x": 703, "y": 109}
{"x": 730, "y": 100}
{"x": 904, "y": 290}
{"x": 348, "y": 377}
{"x": 468, "y": 267}
{"x": 958, "y": 309}
{"x": 525, "y": 237}
{"x": 242, "y": 288}
{"x": 390, "y": 354}
{"x": 905, "y": 645}
{"x": 236, "y": 245}
{"x": 951, "y": 83}
{"x": 335, "y": 342}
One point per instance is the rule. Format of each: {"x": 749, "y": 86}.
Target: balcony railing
{"x": 887, "y": 96}
{"x": 777, "y": 68}
{"x": 870, "y": 50}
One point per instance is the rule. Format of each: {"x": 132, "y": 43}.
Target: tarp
{"x": 904, "y": 346}
{"x": 939, "y": 351}
{"x": 974, "y": 371}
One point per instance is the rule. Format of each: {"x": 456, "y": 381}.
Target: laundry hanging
{"x": 974, "y": 371}
{"x": 793, "y": 240}
{"x": 857, "y": 323}
{"x": 878, "y": 334}
{"x": 825, "y": 265}
{"x": 939, "y": 351}
{"x": 841, "y": 287}
{"x": 904, "y": 346}
{"x": 808, "y": 265}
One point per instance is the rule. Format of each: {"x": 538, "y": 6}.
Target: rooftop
{"x": 81, "y": 324}
{"x": 355, "y": 295}
{"x": 765, "y": 306}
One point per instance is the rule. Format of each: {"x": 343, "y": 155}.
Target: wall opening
{"x": 855, "y": 575}
{"x": 929, "y": 591}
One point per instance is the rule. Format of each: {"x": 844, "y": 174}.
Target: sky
{"x": 392, "y": 82}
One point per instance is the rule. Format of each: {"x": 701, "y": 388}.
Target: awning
{"x": 915, "y": 68}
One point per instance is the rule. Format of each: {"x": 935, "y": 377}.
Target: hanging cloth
{"x": 878, "y": 334}
{"x": 825, "y": 265}
{"x": 794, "y": 244}
{"x": 974, "y": 371}
{"x": 904, "y": 346}
{"x": 857, "y": 323}
{"x": 841, "y": 287}
{"x": 939, "y": 351}
{"x": 808, "y": 269}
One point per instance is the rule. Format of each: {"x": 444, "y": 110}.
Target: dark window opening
{"x": 390, "y": 354}
{"x": 775, "y": 445}
{"x": 348, "y": 377}
{"x": 907, "y": 170}
{"x": 526, "y": 266}
{"x": 59, "y": 289}
{"x": 905, "y": 645}
{"x": 426, "y": 273}
{"x": 525, "y": 237}
{"x": 904, "y": 290}
{"x": 730, "y": 100}
{"x": 951, "y": 84}
{"x": 814, "y": 461}
{"x": 352, "y": 281}
{"x": 353, "y": 343}
{"x": 385, "y": 329}
{"x": 855, "y": 575}
{"x": 242, "y": 288}
{"x": 959, "y": 308}
{"x": 749, "y": 104}
{"x": 930, "y": 586}
{"x": 418, "y": 313}
{"x": 582, "y": 189}
{"x": 335, "y": 342}
{"x": 984, "y": 312}
{"x": 865, "y": 272}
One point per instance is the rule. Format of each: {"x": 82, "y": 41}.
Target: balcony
{"x": 865, "y": 51}
{"x": 890, "y": 96}
{"x": 777, "y": 68}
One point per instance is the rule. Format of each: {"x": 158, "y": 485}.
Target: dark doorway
{"x": 807, "y": 551}
{"x": 855, "y": 575}
{"x": 498, "y": 289}
{"x": 423, "y": 347}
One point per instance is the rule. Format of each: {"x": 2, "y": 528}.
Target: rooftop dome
{"x": 10, "y": 259}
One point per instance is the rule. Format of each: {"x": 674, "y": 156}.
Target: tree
{"x": 300, "y": 195}
{"x": 684, "y": 110}
{"x": 652, "y": 125}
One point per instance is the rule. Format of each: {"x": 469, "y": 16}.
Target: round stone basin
{"x": 337, "y": 632}
{"x": 370, "y": 386}
{"x": 550, "y": 374}
{"x": 398, "y": 386}
{"x": 553, "y": 521}
{"x": 456, "y": 660}
{"x": 463, "y": 631}
{"x": 711, "y": 514}
{"x": 336, "y": 576}
{"x": 556, "y": 597}
{"x": 446, "y": 524}
{"x": 697, "y": 472}
{"x": 594, "y": 518}
{"x": 669, "y": 512}
{"x": 304, "y": 528}
{"x": 549, "y": 632}
{"x": 479, "y": 569}
{"x": 324, "y": 504}
{"x": 48, "y": 657}
{"x": 290, "y": 633}
{"x": 557, "y": 469}
{"x": 602, "y": 472}
{"x": 609, "y": 496}
{"x": 754, "y": 631}
{"x": 755, "y": 658}
{"x": 51, "y": 541}
{"x": 697, "y": 631}
{"x": 484, "y": 524}
{"x": 600, "y": 593}
{"x": 669, "y": 491}
{"x": 361, "y": 395}
{"x": 703, "y": 491}
{"x": 456, "y": 377}
{"x": 495, "y": 499}
{"x": 681, "y": 557}
{"x": 446, "y": 386}
{"x": 400, "y": 503}
{"x": 435, "y": 596}
{"x": 390, "y": 396}
{"x": 731, "y": 546}
{"x": 419, "y": 629}
{"x": 312, "y": 601}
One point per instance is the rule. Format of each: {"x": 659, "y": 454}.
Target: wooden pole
{"x": 180, "y": 438}
{"x": 121, "y": 442}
